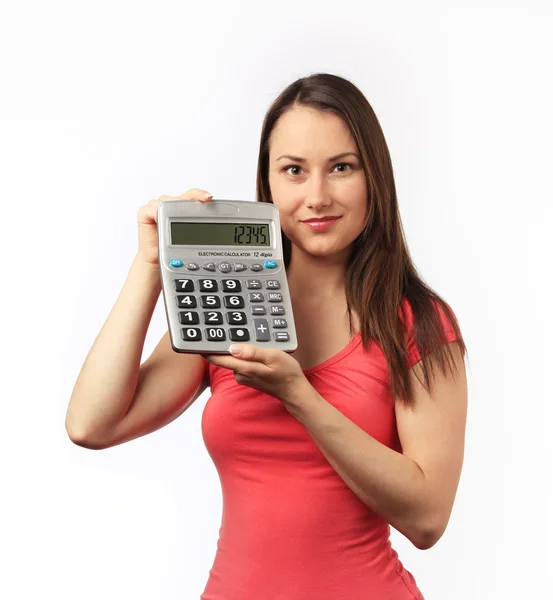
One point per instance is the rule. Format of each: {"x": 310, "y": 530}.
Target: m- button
{"x": 261, "y": 327}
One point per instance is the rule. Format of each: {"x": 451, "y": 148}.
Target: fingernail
{"x": 208, "y": 195}
{"x": 235, "y": 350}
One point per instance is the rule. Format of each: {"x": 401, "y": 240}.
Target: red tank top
{"x": 291, "y": 528}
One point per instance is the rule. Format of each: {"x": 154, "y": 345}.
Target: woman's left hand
{"x": 268, "y": 370}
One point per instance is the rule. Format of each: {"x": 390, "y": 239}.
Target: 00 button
{"x": 215, "y": 334}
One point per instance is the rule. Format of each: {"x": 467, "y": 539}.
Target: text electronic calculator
{"x": 223, "y": 277}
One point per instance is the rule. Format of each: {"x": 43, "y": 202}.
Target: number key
{"x": 234, "y": 302}
{"x": 231, "y": 285}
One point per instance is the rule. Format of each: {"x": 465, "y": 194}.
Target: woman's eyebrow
{"x": 333, "y": 158}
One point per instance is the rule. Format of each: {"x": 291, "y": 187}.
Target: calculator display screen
{"x": 219, "y": 234}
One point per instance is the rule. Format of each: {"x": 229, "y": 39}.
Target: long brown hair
{"x": 380, "y": 273}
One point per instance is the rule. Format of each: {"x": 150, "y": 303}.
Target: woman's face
{"x": 308, "y": 180}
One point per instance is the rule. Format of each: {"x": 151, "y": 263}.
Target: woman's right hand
{"x": 148, "y": 243}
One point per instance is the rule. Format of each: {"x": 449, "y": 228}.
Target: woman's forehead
{"x": 304, "y": 130}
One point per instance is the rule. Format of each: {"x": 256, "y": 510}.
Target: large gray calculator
{"x": 223, "y": 277}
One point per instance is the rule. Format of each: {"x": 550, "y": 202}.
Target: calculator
{"x": 223, "y": 277}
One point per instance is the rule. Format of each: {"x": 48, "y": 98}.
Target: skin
{"x": 316, "y": 187}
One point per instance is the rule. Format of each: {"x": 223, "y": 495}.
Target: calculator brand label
{"x": 242, "y": 254}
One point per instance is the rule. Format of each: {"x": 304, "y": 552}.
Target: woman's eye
{"x": 289, "y": 167}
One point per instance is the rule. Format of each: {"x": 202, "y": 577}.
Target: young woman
{"x": 319, "y": 452}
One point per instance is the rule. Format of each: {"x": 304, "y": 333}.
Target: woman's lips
{"x": 321, "y": 225}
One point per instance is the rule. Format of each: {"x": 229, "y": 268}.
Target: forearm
{"x": 107, "y": 380}
{"x": 386, "y": 481}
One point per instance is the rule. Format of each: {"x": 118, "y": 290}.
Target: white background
{"x": 106, "y": 105}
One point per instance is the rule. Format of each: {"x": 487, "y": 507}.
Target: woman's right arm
{"x": 115, "y": 398}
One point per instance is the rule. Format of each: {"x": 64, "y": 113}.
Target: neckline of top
{"x": 352, "y": 344}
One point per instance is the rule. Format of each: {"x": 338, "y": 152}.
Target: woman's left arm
{"x": 414, "y": 490}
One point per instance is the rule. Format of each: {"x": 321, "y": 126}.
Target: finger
{"x": 225, "y": 361}
{"x": 251, "y": 353}
{"x": 195, "y": 194}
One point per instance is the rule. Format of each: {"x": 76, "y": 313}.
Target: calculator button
{"x": 176, "y": 262}
{"x": 272, "y": 284}
{"x": 225, "y": 267}
{"x": 276, "y": 310}
{"x": 208, "y": 285}
{"x": 231, "y": 285}
{"x": 281, "y": 336}
{"x": 279, "y": 324}
{"x": 210, "y": 266}
{"x": 213, "y": 318}
{"x": 237, "y": 318}
{"x": 189, "y": 318}
{"x": 274, "y": 297}
{"x": 234, "y": 302}
{"x": 191, "y": 334}
{"x": 270, "y": 264}
{"x": 253, "y": 284}
{"x": 256, "y": 267}
{"x": 192, "y": 266}
{"x": 239, "y": 335}
{"x": 183, "y": 285}
{"x": 261, "y": 327}
{"x": 210, "y": 301}
{"x": 240, "y": 267}
{"x": 255, "y": 297}
{"x": 186, "y": 302}
{"x": 259, "y": 310}
{"x": 215, "y": 334}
